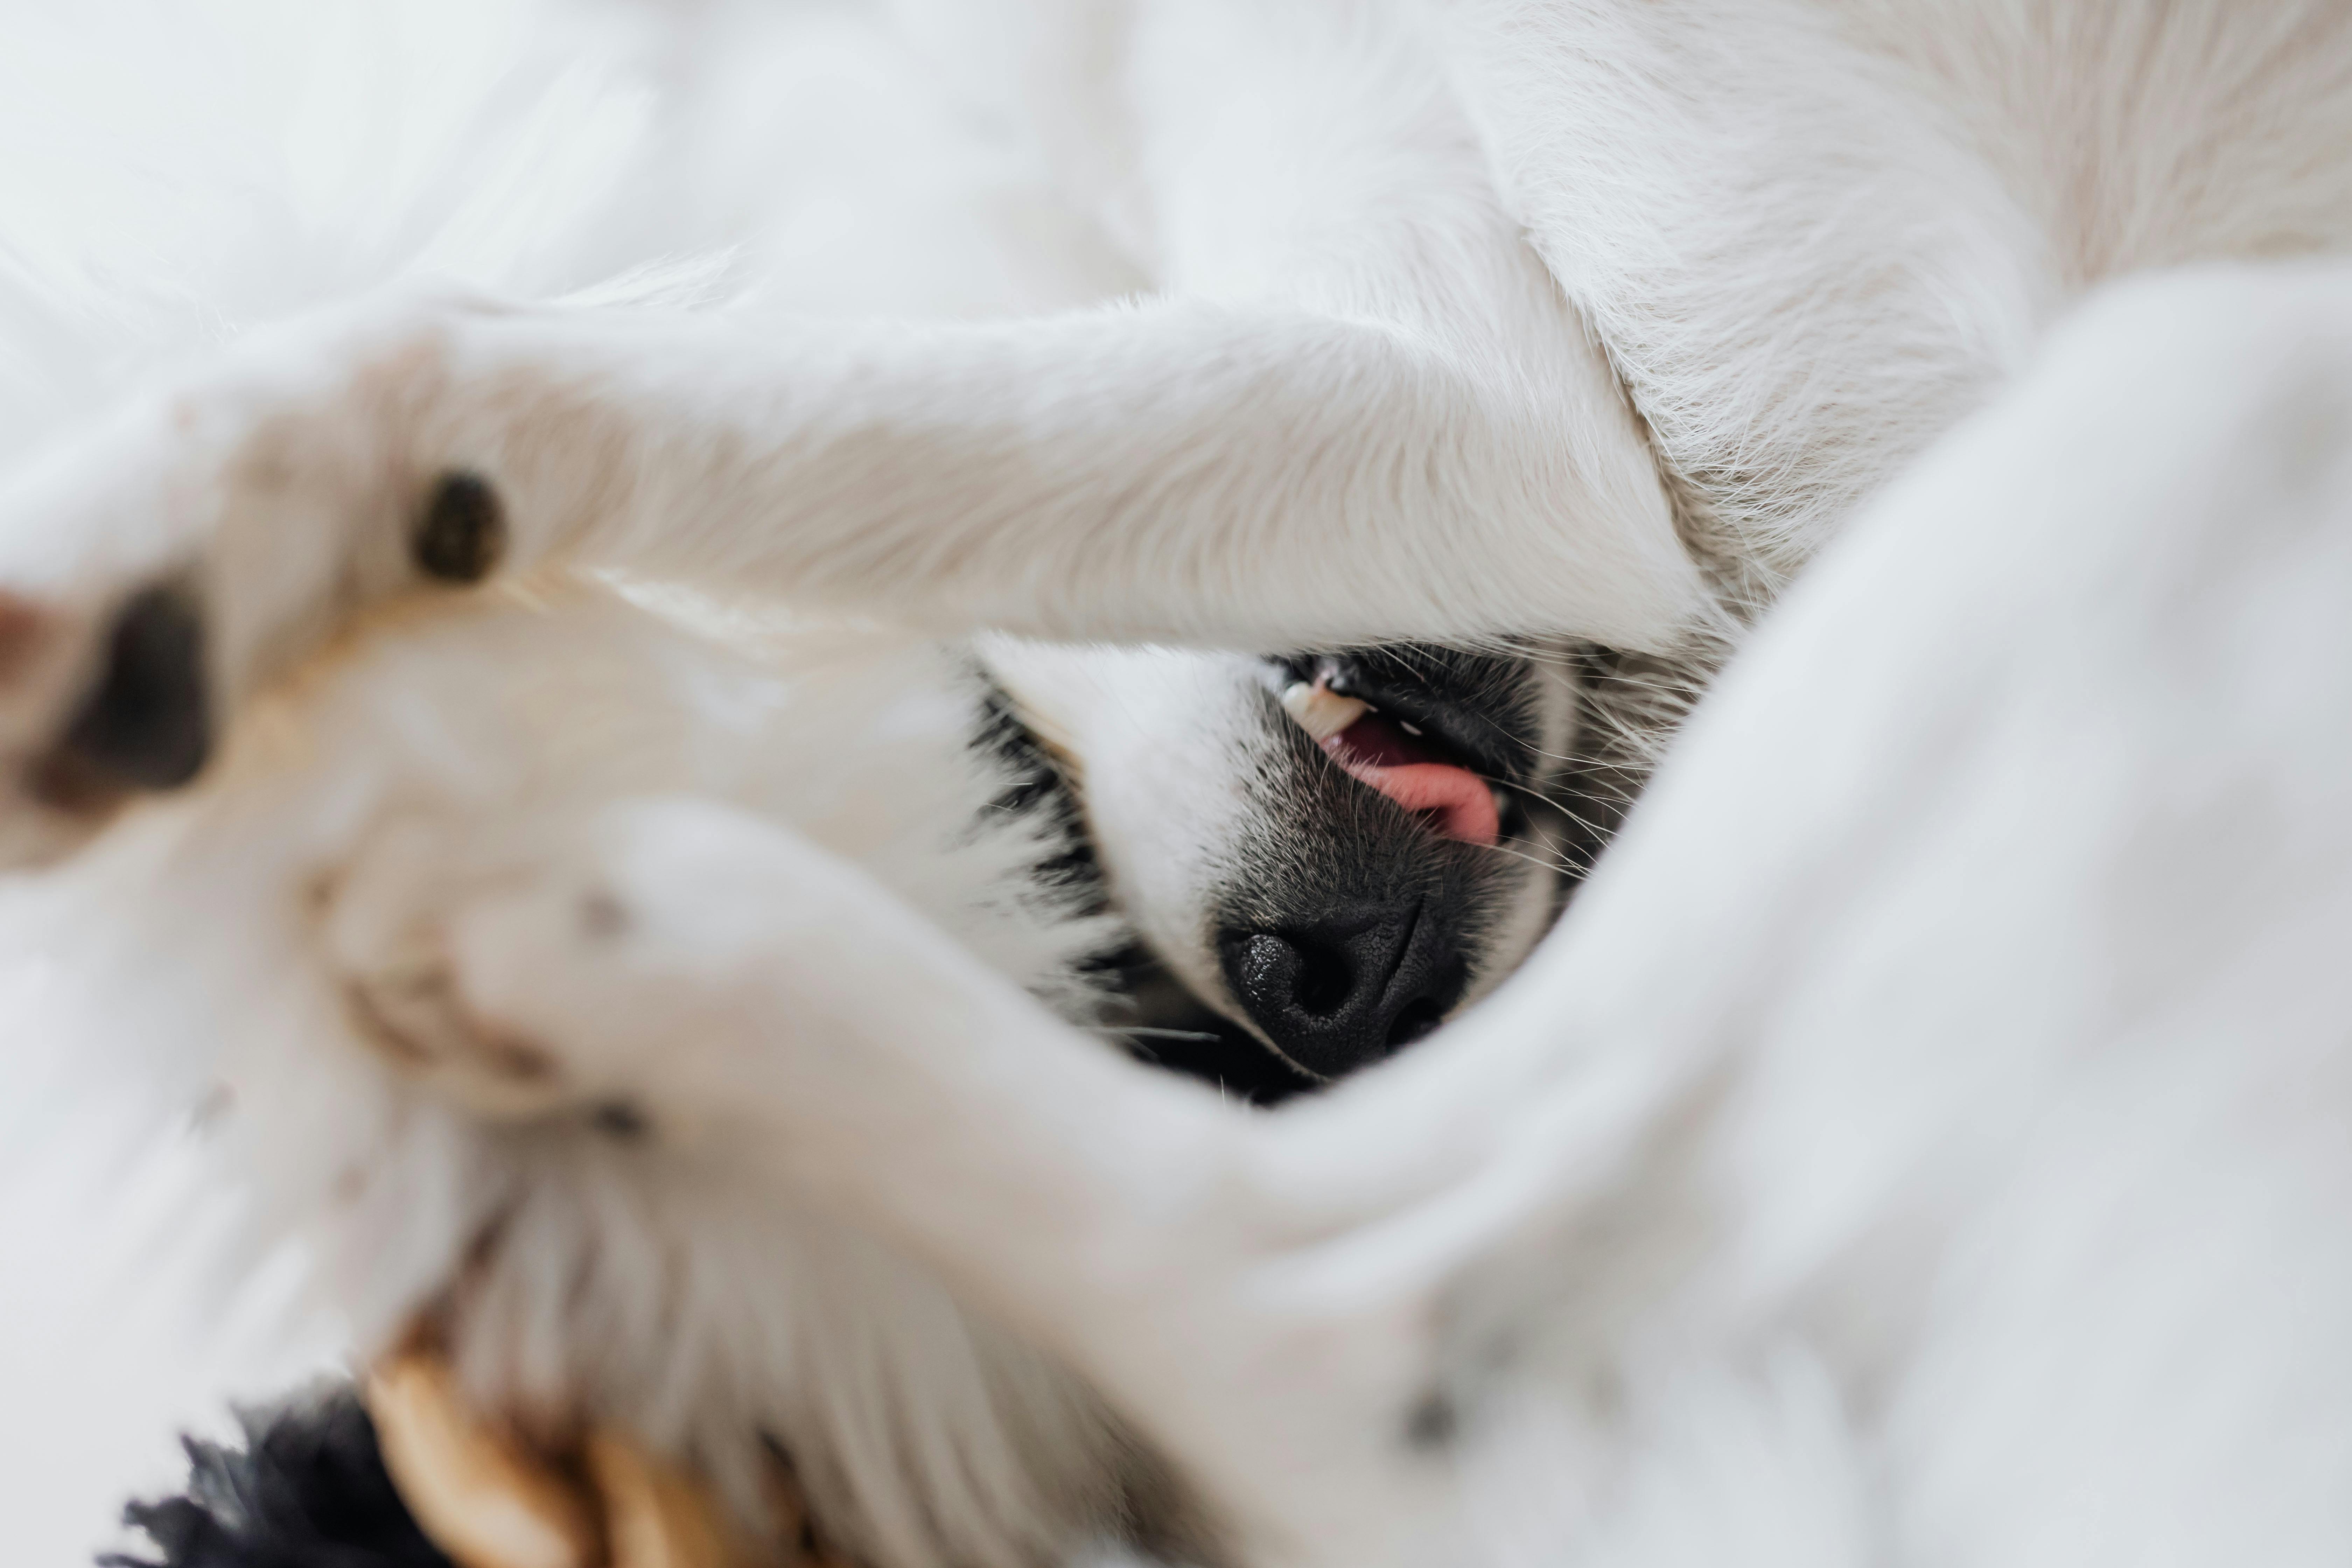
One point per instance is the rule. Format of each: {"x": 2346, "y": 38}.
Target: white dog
{"x": 1486, "y": 323}
{"x": 1714, "y": 1237}
{"x": 574, "y": 1258}
{"x": 1773, "y": 252}
{"x": 1248, "y": 863}
{"x": 1923, "y": 1142}
{"x": 237, "y": 949}
{"x": 343, "y": 1090}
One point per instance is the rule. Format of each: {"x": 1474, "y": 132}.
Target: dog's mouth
{"x": 1408, "y": 737}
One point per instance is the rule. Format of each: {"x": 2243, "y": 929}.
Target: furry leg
{"x": 1292, "y": 1306}
{"x": 816, "y": 1029}
{"x": 1362, "y": 412}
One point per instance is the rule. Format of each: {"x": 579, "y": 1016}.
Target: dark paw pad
{"x": 464, "y": 530}
{"x": 146, "y": 724}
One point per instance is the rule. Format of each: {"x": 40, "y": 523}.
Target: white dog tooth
{"x": 1322, "y": 712}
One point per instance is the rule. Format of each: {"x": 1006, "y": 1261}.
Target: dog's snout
{"x": 1346, "y": 990}
{"x": 146, "y": 721}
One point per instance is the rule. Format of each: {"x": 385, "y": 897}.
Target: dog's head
{"x": 1334, "y": 852}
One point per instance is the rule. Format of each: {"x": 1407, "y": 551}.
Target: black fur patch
{"x": 307, "y": 1490}
{"x": 1151, "y": 1012}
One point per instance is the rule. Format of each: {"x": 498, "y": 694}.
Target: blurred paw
{"x": 390, "y": 926}
{"x": 643, "y": 965}
{"x": 154, "y": 570}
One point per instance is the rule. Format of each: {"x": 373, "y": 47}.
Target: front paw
{"x": 558, "y": 968}
{"x": 657, "y": 964}
{"x": 159, "y": 568}
{"x": 424, "y": 904}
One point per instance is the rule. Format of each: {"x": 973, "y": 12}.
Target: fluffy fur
{"x": 579, "y": 1260}
{"x": 1358, "y": 407}
{"x": 1976, "y": 1200}
{"x": 329, "y": 1103}
{"x": 655, "y": 156}
{"x": 307, "y": 1491}
{"x": 352, "y": 1114}
{"x": 1494, "y": 320}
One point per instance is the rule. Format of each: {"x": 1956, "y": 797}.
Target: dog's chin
{"x": 1311, "y": 897}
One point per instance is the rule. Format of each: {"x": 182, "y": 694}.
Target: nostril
{"x": 1323, "y": 981}
{"x": 1279, "y": 975}
{"x": 1353, "y": 986}
{"x": 147, "y": 722}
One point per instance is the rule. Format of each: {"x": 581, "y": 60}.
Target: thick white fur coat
{"x": 578, "y": 1269}
{"x": 1922, "y": 1142}
{"x": 218, "y": 957}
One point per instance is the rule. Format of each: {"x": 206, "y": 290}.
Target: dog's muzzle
{"x": 1357, "y": 934}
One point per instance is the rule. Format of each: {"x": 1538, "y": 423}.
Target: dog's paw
{"x": 635, "y": 966}
{"x": 154, "y": 570}
{"x": 392, "y": 925}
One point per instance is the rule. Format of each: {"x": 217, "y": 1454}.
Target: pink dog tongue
{"x": 1454, "y": 801}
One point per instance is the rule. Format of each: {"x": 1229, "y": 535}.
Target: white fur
{"x": 1357, "y": 409}
{"x": 1976, "y": 1200}
{"x": 1753, "y": 1216}
{"x": 362, "y": 1121}
{"x": 210, "y": 953}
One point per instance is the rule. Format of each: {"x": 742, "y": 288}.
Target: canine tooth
{"x": 1322, "y": 712}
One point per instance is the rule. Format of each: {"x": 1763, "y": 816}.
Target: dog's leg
{"x": 738, "y": 995}
{"x": 1930, "y": 892}
{"x": 1362, "y": 411}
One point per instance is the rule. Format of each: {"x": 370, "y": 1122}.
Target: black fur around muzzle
{"x": 1349, "y": 929}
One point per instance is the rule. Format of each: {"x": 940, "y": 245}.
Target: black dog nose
{"x": 1349, "y": 988}
{"x": 146, "y": 724}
